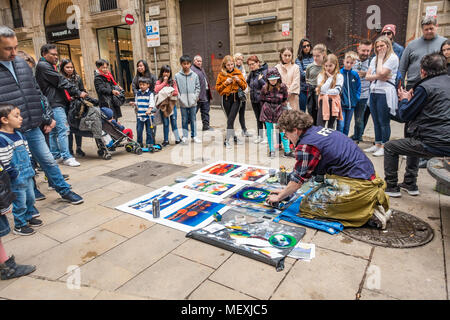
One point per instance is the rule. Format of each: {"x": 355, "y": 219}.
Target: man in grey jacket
{"x": 188, "y": 92}
{"x": 430, "y": 42}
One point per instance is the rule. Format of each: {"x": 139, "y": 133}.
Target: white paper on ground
{"x": 303, "y": 251}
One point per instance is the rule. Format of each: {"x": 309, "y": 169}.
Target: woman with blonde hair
{"x": 383, "y": 100}
{"x": 329, "y": 87}
{"x": 228, "y": 83}
{"x": 290, "y": 76}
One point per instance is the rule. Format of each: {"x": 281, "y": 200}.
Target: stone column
{"x": 174, "y": 33}
{"x": 299, "y": 22}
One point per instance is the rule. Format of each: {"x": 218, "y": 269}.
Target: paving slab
{"x": 107, "y": 295}
{"x": 202, "y": 253}
{"x": 25, "y": 247}
{"x": 330, "y": 275}
{"x": 94, "y": 182}
{"x": 125, "y": 197}
{"x": 210, "y": 290}
{"x": 78, "y": 223}
{"x": 414, "y": 273}
{"x": 241, "y": 274}
{"x": 342, "y": 243}
{"x": 102, "y": 274}
{"x": 373, "y": 295}
{"x": 28, "y": 288}
{"x": 172, "y": 277}
{"x": 122, "y": 187}
{"x": 146, "y": 248}
{"x": 54, "y": 263}
{"x": 127, "y": 225}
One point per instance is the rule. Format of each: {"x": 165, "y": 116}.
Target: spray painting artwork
{"x": 219, "y": 169}
{"x": 195, "y": 212}
{"x": 217, "y": 188}
{"x": 252, "y": 174}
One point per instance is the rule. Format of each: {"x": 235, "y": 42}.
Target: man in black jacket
{"x": 18, "y": 87}
{"x": 53, "y": 85}
{"x": 427, "y": 110}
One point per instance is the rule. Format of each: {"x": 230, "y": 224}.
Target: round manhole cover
{"x": 403, "y": 231}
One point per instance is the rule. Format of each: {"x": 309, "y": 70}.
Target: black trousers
{"x": 311, "y": 103}
{"x": 256, "y": 106}
{"x": 204, "y": 108}
{"x": 242, "y": 116}
{"x": 413, "y": 150}
{"x": 231, "y": 105}
{"x": 78, "y": 140}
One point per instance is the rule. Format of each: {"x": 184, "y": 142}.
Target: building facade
{"x": 86, "y": 30}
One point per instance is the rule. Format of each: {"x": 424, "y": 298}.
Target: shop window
{"x": 16, "y": 13}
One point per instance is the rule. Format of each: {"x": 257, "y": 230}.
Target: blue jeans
{"x": 171, "y": 120}
{"x": 360, "y": 110}
{"x": 381, "y": 118}
{"x": 41, "y": 153}
{"x": 23, "y": 206}
{"x": 344, "y": 125}
{"x": 58, "y": 140}
{"x": 140, "y": 130}
{"x": 303, "y": 100}
{"x": 188, "y": 115}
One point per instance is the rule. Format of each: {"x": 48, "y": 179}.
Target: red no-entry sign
{"x": 129, "y": 19}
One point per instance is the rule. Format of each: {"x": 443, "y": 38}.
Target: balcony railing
{"x": 97, "y": 6}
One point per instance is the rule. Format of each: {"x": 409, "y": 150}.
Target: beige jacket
{"x": 290, "y": 76}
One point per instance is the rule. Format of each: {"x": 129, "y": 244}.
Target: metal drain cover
{"x": 145, "y": 172}
{"x": 403, "y": 231}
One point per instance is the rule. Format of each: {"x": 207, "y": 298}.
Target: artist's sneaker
{"x": 412, "y": 190}
{"x": 379, "y": 219}
{"x": 372, "y": 149}
{"x": 379, "y": 153}
{"x": 393, "y": 192}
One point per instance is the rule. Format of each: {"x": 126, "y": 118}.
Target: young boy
{"x": 188, "y": 93}
{"x": 351, "y": 91}
{"x": 145, "y": 105}
{"x": 15, "y": 156}
{"x": 8, "y": 267}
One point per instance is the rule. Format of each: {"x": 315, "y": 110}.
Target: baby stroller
{"x": 106, "y": 132}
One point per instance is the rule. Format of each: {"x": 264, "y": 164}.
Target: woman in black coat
{"x": 256, "y": 80}
{"x": 107, "y": 88}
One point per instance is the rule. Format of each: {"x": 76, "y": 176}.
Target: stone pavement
{"x": 122, "y": 256}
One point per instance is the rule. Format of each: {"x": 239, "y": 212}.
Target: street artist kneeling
{"x": 348, "y": 190}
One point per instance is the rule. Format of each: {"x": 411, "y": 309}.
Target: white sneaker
{"x": 264, "y": 141}
{"x": 184, "y": 141}
{"x": 228, "y": 145}
{"x": 258, "y": 140}
{"x": 71, "y": 162}
{"x": 381, "y": 217}
{"x": 373, "y": 148}
{"x": 379, "y": 153}
{"x": 196, "y": 140}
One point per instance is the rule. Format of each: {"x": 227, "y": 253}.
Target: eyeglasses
{"x": 387, "y": 33}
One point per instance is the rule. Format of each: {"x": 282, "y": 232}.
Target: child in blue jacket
{"x": 351, "y": 92}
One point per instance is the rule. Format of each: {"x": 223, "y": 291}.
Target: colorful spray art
{"x": 179, "y": 210}
{"x": 219, "y": 169}
{"x": 212, "y": 187}
{"x": 256, "y": 238}
{"x": 252, "y": 174}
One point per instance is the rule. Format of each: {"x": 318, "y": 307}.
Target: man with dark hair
{"x": 18, "y": 87}
{"x": 361, "y": 66}
{"x": 428, "y": 111}
{"x": 53, "y": 85}
{"x": 338, "y": 164}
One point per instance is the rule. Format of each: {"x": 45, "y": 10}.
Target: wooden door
{"x": 340, "y": 24}
{"x": 205, "y": 31}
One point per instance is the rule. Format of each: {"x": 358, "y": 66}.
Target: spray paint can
{"x": 155, "y": 208}
{"x": 283, "y": 176}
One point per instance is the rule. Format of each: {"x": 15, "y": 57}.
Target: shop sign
{"x": 153, "y": 11}
{"x": 152, "y": 32}
{"x": 61, "y": 32}
{"x": 129, "y": 19}
{"x": 431, "y": 11}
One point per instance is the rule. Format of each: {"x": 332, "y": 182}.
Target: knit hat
{"x": 273, "y": 74}
{"x": 389, "y": 27}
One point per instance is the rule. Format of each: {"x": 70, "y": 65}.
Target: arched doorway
{"x": 60, "y": 30}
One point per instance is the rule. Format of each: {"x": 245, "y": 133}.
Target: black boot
{"x": 10, "y": 269}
